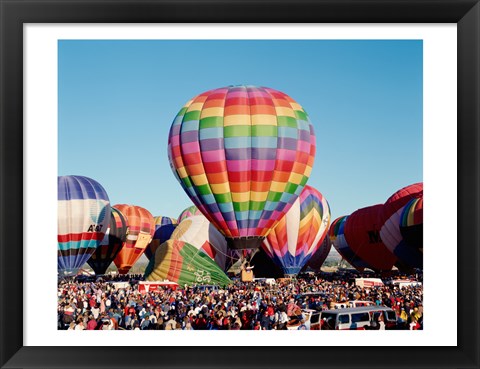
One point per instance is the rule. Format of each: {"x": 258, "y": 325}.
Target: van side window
{"x": 391, "y": 315}
{"x": 315, "y": 318}
{"x": 360, "y": 317}
{"x": 343, "y": 318}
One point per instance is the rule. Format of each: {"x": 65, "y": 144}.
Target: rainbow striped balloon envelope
{"x": 299, "y": 234}
{"x": 411, "y": 223}
{"x": 337, "y": 237}
{"x": 164, "y": 227}
{"x": 243, "y": 154}
{"x": 83, "y": 218}
{"x": 409, "y": 257}
{"x": 191, "y": 211}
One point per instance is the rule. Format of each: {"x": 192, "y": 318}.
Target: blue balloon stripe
{"x": 75, "y": 245}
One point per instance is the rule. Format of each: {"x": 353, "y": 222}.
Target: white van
{"x": 311, "y": 318}
{"x": 357, "y": 318}
{"x": 368, "y": 282}
{"x": 352, "y": 304}
{"x": 402, "y": 283}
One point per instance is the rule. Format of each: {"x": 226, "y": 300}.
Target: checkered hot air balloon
{"x": 83, "y": 218}
{"x": 243, "y": 154}
{"x": 300, "y": 233}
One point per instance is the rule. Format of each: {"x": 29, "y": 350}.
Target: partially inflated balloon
{"x": 83, "y": 217}
{"x": 141, "y": 227}
{"x": 337, "y": 237}
{"x": 180, "y": 262}
{"x": 243, "y": 155}
{"x": 189, "y": 212}
{"x": 199, "y": 232}
{"x": 111, "y": 244}
{"x": 411, "y": 223}
{"x": 362, "y": 233}
{"x": 319, "y": 256}
{"x": 164, "y": 227}
{"x": 392, "y": 238}
{"x": 299, "y": 234}
{"x": 400, "y": 198}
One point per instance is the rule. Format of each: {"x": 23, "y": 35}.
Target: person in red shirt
{"x": 92, "y": 323}
{"x": 92, "y": 301}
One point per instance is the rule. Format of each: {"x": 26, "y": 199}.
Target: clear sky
{"x": 117, "y": 100}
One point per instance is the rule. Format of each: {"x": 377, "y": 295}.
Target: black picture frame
{"x": 15, "y": 13}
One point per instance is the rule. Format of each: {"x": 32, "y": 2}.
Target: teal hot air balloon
{"x": 83, "y": 218}
{"x": 243, "y": 155}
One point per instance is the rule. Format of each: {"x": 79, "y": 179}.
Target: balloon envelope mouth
{"x": 242, "y": 243}
{"x": 123, "y": 270}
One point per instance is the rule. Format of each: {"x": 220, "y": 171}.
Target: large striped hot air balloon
{"x": 83, "y": 217}
{"x": 141, "y": 227}
{"x": 336, "y": 234}
{"x": 164, "y": 227}
{"x": 400, "y": 198}
{"x": 199, "y": 232}
{"x": 180, "y": 262}
{"x": 390, "y": 233}
{"x": 362, "y": 233}
{"x": 243, "y": 155}
{"x": 299, "y": 234}
{"x": 408, "y": 256}
{"x": 411, "y": 223}
{"x": 189, "y": 212}
{"x": 112, "y": 243}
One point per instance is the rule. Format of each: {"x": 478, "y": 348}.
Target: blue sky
{"x": 117, "y": 100}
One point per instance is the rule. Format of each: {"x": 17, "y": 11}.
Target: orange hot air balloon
{"x": 141, "y": 227}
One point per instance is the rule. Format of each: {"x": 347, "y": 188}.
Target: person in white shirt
{"x": 80, "y": 326}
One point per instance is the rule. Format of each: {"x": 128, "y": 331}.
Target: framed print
{"x": 92, "y": 89}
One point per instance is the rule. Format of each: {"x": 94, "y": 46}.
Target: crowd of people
{"x": 99, "y": 305}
